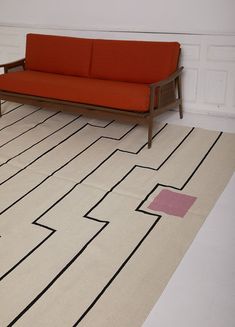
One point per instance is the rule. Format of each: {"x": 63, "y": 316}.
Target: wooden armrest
{"x": 165, "y": 90}
{"x": 169, "y": 79}
{"x": 13, "y": 64}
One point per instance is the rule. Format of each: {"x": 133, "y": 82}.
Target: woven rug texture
{"x": 93, "y": 223}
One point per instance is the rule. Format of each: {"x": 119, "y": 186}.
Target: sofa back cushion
{"x": 58, "y": 54}
{"x": 134, "y": 61}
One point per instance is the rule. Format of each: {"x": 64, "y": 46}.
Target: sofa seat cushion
{"x": 118, "y": 95}
{"x": 58, "y": 54}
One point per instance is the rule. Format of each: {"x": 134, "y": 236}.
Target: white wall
{"x": 205, "y": 29}
{"x": 200, "y": 16}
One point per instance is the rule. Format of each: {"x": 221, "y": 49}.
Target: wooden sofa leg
{"x": 180, "y": 97}
{"x": 150, "y": 132}
{"x": 181, "y": 110}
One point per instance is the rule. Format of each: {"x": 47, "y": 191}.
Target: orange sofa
{"x": 124, "y": 80}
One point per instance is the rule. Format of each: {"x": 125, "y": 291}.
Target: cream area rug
{"x": 92, "y": 223}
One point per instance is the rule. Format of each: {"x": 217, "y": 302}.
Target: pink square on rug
{"x": 172, "y": 203}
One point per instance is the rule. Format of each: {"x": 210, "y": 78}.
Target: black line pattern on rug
{"x": 105, "y": 223}
{"x": 9, "y": 111}
{"x": 85, "y": 246}
{"x": 28, "y": 130}
{"x": 151, "y": 228}
{"x": 18, "y": 120}
{"x": 50, "y": 175}
{"x": 137, "y": 152}
{"x": 43, "y": 139}
{"x": 86, "y": 124}
{"x": 43, "y": 154}
{"x": 68, "y": 192}
{"x": 31, "y": 128}
{"x": 35, "y": 222}
{"x": 80, "y": 183}
{"x": 173, "y": 187}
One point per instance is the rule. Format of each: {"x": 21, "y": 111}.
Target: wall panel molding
{"x": 191, "y": 52}
{"x": 221, "y": 53}
{"x": 190, "y": 82}
{"x": 114, "y": 29}
{"x": 216, "y": 85}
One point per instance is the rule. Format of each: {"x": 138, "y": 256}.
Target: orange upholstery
{"x": 129, "y": 61}
{"x": 120, "y": 95}
{"x": 134, "y": 61}
{"x": 58, "y": 54}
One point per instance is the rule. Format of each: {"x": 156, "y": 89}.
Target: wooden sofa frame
{"x": 168, "y": 92}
